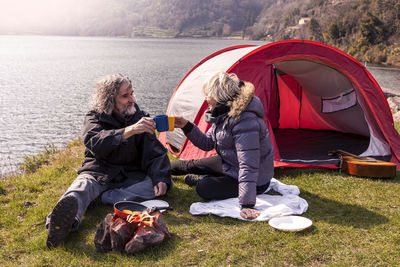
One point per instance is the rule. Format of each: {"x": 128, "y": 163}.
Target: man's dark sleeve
{"x": 99, "y": 141}
{"x": 155, "y": 161}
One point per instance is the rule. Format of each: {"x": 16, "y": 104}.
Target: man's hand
{"x": 180, "y": 122}
{"x": 160, "y": 189}
{"x": 144, "y": 125}
{"x": 249, "y": 214}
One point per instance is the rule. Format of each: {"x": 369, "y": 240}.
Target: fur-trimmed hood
{"x": 246, "y": 101}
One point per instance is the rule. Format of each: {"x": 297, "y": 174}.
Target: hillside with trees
{"x": 369, "y": 30}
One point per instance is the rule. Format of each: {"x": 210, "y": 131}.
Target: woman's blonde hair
{"x": 222, "y": 86}
{"x": 105, "y": 92}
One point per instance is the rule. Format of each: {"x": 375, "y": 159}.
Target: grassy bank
{"x": 356, "y": 222}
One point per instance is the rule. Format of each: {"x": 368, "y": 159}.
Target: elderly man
{"x": 123, "y": 158}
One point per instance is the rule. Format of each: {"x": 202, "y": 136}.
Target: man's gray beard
{"x": 128, "y": 111}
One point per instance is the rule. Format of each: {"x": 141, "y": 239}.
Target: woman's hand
{"x": 249, "y": 214}
{"x": 180, "y": 122}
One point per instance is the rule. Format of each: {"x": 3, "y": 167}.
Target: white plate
{"x": 155, "y": 203}
{"x": 290, "y": 223}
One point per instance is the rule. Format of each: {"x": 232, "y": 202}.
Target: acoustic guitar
{"x": 364, "y": 166}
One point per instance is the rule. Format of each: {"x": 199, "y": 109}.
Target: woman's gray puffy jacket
{"x": 242, "y": 140}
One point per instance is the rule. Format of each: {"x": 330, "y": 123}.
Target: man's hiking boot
{"x": 61, "y": 220}
{"x": 193, "y": 179}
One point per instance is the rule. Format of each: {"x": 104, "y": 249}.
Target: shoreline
{"x": 233, "y": 37}
{"x": 393, "y": 99}
{"x": 389, "y": 92}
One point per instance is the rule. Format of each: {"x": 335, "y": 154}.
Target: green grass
{"x": 32, "y": 163}
{"x": 356, "y": 222}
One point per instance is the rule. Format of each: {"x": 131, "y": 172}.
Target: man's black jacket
{"x": 110, "y": 159}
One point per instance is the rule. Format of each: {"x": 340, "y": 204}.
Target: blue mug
{"x": 161, "y": 123}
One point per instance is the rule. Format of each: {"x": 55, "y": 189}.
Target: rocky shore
{"x": 393, "y": 99}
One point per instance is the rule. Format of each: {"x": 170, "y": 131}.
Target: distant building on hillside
{"x": 304, "y": 20}
{"x": 336, "y": 2}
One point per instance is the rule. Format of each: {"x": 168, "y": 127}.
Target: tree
{"x": 333, "y": 31}
{"x": 372, "y": 29}
{"x": 315, "y": 29}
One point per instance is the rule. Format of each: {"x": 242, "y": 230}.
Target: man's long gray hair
{"x": 105, "y": 92}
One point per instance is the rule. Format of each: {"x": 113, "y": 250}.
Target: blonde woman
{"x": 243, "y": 166}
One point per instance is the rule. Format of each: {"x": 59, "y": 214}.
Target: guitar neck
{"x": 345, "y": 153}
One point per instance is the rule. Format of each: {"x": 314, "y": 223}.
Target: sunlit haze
{"x": 33, "y": 16}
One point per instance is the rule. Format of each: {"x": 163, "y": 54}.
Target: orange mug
{"x": 171, "y": 123}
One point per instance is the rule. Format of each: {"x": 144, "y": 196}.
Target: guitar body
{"x": 365, "y": 166}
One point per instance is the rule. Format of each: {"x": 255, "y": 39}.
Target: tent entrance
{"x": 311, "y": 147}
{"x": 318, "y": 112}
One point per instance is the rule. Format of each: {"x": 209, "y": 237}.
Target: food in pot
{"x": 131, "y": 212}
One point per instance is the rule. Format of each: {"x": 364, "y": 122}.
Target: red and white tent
{"x": 316, "y": 99}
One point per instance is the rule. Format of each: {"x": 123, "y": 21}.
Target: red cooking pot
{"x": 125, "y": 208}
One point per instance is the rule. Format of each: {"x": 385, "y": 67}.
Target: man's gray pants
{"x": 86, "y": 189}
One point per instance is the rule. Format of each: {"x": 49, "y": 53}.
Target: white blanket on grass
{"x": 288, "y": 203}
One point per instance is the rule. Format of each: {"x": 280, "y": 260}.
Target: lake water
{"x": 46, "y": 82}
